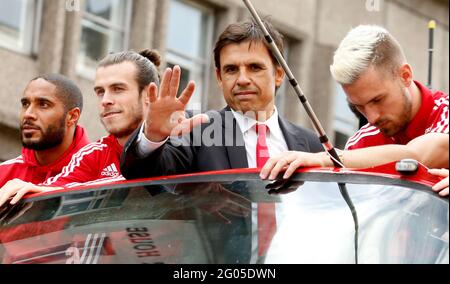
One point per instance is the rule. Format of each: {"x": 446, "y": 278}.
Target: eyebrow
{"x": 228, "y": 66}
{"x": 356, "y": 105}
{"x": 114, "y": 85}
{"x": 39, "y": 100}
{"x": 259, "y": 63}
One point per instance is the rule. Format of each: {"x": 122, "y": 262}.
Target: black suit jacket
{"x": 194, "y": 156}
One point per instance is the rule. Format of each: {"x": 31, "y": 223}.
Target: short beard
{"x": 405, "y": 116}
{"x": 52, "y": 137}
{"x": 128, "y": 130}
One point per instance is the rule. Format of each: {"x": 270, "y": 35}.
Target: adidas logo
{"x": 110, "y": 171}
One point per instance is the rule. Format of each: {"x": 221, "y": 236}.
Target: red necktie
{"x": 267, "y": 223}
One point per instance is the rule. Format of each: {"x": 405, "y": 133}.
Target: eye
{"x": 99, "y": 93}
{"x": 255, "y": 67}
{"x": 230, "y": 69}
{"x": 118, "y": 89}
{"x": 44, "y": 104}
{"x": 25, "y": 104}
{"x": 377, "y": 100}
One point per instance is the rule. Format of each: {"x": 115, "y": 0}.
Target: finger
{"x": 240, "y": 200}
{"x": 187, "y": 93}
{"x": 19, "y": 195}
{"x": 30, "y": 188}
{"x": 164, "y": 87}
{"x": 292, "y": 168}
{"x": 8, "y": 191}
{"x": 239, "y": 205}
{"x": 222, "y": 218}
{"x": 282, "y": 164}
{"x": 267, "y": 169}
{"x": 153, "y": 93}
{"x": 197, "y": 121}
{"x": 175, "y": 81}
{"x": 439, "y": 172}
{"x": 235, "y": 211}
{"x": 444, "y": 192}
{"x": 441, "y": 185}
{"x": 187, "y": 125}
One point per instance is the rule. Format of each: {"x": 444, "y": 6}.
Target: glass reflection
{"x": 216, "y": 223}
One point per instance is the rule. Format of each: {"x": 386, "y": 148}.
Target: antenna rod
{"x": 317, "y": 125}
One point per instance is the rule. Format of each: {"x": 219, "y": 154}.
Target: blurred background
{"x": 70, "y": 36}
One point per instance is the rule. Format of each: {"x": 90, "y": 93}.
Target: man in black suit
{"x": 243, "y": 135}
{"x": 249, "y": 76}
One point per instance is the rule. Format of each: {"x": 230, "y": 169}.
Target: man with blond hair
{"x": 406, "y": 120}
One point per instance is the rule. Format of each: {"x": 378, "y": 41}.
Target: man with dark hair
{"x": 248, "y": 75}
{"x": 121, "y": 81}
{"x": 243, "y": 135}
{"x": 51, "y": 108}
{"x": 121, "y": 84}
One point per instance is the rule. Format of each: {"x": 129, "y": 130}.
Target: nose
{"x": 107, "y": 99}
{"x": 372, "y": 114}
{"x": 243, "y": 79}
{"x": 29, "y": 113}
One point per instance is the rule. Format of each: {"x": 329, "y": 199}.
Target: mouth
{"x": 110, "y": 114}
{"x": 245, "y": 94}
{"x": 29, "y": 128}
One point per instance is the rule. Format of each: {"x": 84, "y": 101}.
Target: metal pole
{"x": 277, "y": 53}
{"x": 431, "y": 28}
{"x": 317, "y": 125}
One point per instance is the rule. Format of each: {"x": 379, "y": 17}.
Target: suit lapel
{"x": 234, "y": 142}
{"x": 293, "y": 136}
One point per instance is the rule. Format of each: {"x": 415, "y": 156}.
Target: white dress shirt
{"x": 275, "y": 138}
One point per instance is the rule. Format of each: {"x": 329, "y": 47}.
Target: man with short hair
{"x": 249, "y": 76}
{"x": 51, "y": 108}
{"x": 121, "y": 85}
{"x": 406, "y": 120}
{"x": 243, "y": 135}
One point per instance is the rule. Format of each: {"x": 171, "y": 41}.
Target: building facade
{"x": 70, "y": 36}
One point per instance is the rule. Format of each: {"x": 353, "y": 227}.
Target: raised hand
{"x": 165, "y": 113}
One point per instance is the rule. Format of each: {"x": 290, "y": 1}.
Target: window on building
{"x": 17, "y": 19}
{"x": 105, "y": 29}
{"x": 189, "y": 44}
{"x": 345, "y": 121}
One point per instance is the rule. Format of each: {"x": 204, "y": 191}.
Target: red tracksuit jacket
{"x": 96, "y": 163}
{"x": 26, "y": 168}
{"x": 431, "y": 118}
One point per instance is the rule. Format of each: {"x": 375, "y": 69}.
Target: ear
{"x": 73, "y": 116}
{"x": 406, "y": 75}
{"x": 219, "y": 77}
{"x": 145, "y": 96}
{"x": 279, "y": 75}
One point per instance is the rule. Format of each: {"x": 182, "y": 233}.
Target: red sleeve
{"x": 440, "y": 116}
